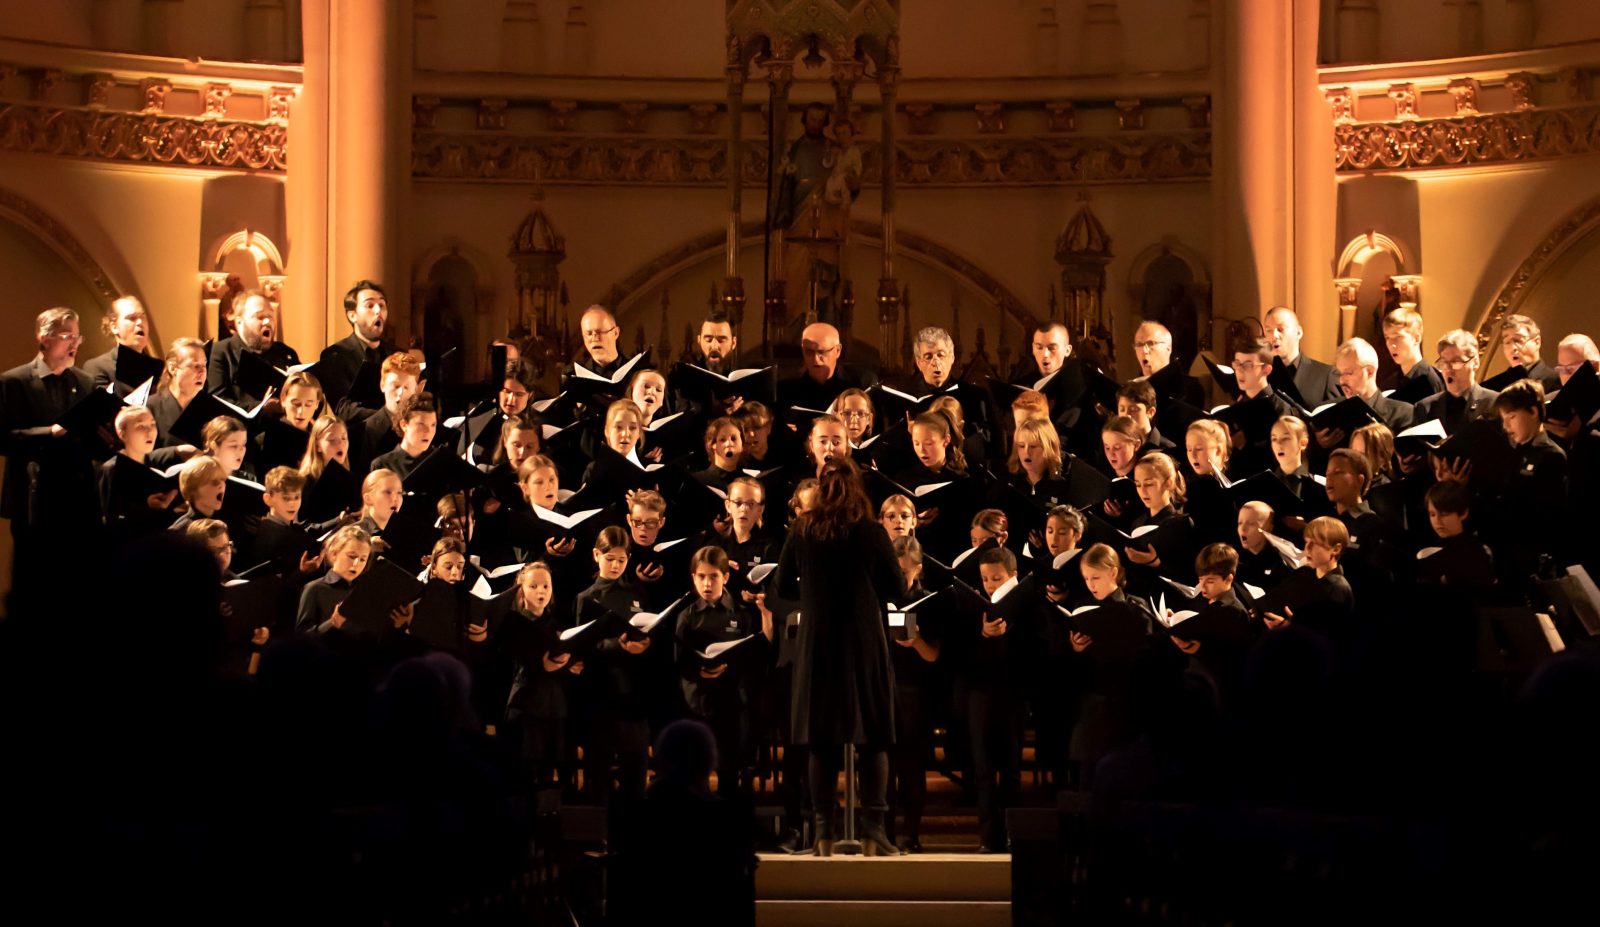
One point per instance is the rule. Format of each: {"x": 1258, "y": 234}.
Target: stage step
{"x": 924, "y": 890}
{"x": 883, "y": 913}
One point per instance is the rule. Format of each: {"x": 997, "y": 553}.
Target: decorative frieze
{"x": 994, "y": 160}
{"x": 1494, "y": 138}
{"x": 142, "y": 137}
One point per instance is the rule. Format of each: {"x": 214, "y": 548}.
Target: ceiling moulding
{"x": 1439, "y": 71}
{"x": 125, "y": 66}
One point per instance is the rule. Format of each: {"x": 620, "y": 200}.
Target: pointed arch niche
{"x": 239, "y": 261}
{"x": 1374, "y": 276}
{"x": 1170, "y": 284}
{"x": 453, "y": 305}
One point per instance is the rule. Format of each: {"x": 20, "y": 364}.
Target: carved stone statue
{"x": 818, "y": 181}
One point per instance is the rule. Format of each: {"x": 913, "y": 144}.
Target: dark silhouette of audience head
{"x": 685, "y": 755}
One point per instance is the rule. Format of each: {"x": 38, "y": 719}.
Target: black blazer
{"x": 103, "y": 369}
{"x": 1476, "y": 403}
{"x": 224, "y": 368}
{"x": 341, "y": 361}
{"x": 31, "y": 400}
{"x": 1316, "y": 382}
{"x": 807, "y": 393}
{"x": 1540, "y": 371}
{"x": 1396, "y": 414}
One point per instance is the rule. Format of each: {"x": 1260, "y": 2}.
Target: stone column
{"x": 780, "y": 75}
{"x": 370, "y": 152}
{"x": 1273, "y": 187}
{"x": 307, "y": 319}
{"x": 888, "y": 286}
{"x": 349, "y": 165}
{"x": 733, "y": 299}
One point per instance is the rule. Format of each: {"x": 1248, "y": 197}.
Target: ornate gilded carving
{"x": 1405, "y": 100}
{"x": 1130, "y": 114}
{"x": 272, "y": 285}
{"x": 1575, "y": 84}
{"x": 991, "y": 118}
{"x": 41, "y": 81}
{"x": 700, "y": 116}
{"x": 631, "y": 116}
{"x": 561, "y": 115}
{"x": 1465, "y": 93}
{"x": 1343, "y": 103}
{"x": 423, "y": 111}
{"x": 790, "y": 26}
{"x": 216, "y": 99}
{"x": 919, "y": 118}
{"x": 97, "y": 89}
{"x": 1199, "y": 112}
{"x": 1521, "y": 86}
{"x": 153, "y": 91}
{"x": 278, "y": 99}
{"x": 921, "y": 161}
{"x": 1063, "y": 117}
{"x": 142, "y": 137}
{"x": 1466, "y": 140}
{"x": 492, "y": 115}
{"x": 1410, "y": 287}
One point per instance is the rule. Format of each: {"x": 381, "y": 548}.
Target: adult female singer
{"x": 838, "y": 562}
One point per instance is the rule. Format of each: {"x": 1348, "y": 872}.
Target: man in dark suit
{"x": 1357, "y": 364}
{"x": 129, "y": 324}
{"x": 600, "y": 333}
{"x": 1462, "y": 400}
{"x": 1520, "y": 343}
{"x": 716, "y": 349}
{"x": 934, "y": 354}
{"x": 1182, "y": 397}
{"x": 257, "y": 328}
{"x": 1312, "y": 379}
{"x": 48, "y": 493}
{"x": 823, "y": 377}
{"x": 367, "y": 307}
{"x": 1067, "y": 391}
{"x": 601, "y": 355}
